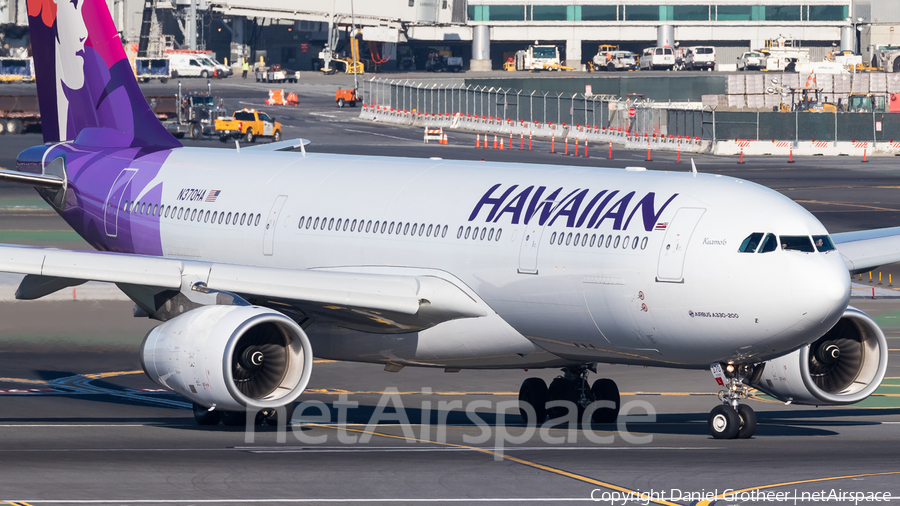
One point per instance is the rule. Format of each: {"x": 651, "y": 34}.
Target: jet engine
{"x": 230, "y": 357}
{"x": 844, "y": 366}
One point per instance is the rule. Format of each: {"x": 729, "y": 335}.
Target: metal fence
{"x": 637, "y": 116}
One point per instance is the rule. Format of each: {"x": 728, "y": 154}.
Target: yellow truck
{"x": 249, "y": 124}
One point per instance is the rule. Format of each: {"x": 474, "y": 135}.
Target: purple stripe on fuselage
{"x": 92, "y": 172}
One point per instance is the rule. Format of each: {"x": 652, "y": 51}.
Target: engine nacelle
{"x": 230, "y": 357}
{"x": 844, "y": 366}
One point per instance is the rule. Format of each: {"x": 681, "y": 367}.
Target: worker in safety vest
{"x": 245, "y": 68}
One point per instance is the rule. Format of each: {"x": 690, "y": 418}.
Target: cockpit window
{"x": 823, "y": 243}
{"x": 797, "y": 243}
{"x": 770, "y": 244}
{"x": 751, "y": 243}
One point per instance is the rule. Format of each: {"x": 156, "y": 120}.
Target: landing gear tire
{"x": 270, "y": 416}
{"x": 564, "y": 389}
{"x": 534, "y": 392}
{"x": 724, "y": 422}
{"x": 605, "y": 389}
{"x": 206, "y": 417}
{"x": 747, "y": 420}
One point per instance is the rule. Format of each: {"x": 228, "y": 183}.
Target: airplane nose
{"x": 823, "y": 289}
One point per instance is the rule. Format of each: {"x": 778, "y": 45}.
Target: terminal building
{"x": 401, "y": 33}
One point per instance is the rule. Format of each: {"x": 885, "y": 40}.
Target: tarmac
{"x": 81, "y": 424}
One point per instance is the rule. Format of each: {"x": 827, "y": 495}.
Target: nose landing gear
{"x": 732, "y": 420}
{"x": 571, "y": 386}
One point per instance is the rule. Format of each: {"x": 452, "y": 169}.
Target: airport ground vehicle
{"x": 887, "y": 58}
{"x": 783, "y": 55}
{"x": 657, "y": 58}
{"x": 146, "y": 69}
{"x": 439, "y": 61}
{"x": 190, "y": 64}
{"x": 700, "y": 58}
{"x": 249, "y": 124}
{"x": 194, "y": 112}
{"x": 18, "y": 112}
{"x": 806, "y": 99}
{"x": 866, "y": 102}
{"x": 16, "y": 70}
{"x": 750, "y": 60}
{"x": 277, "y": 74}
{"x": 346, "y": 97}
{"x": 610, "y": 58}
{"x": 539, "y": 57}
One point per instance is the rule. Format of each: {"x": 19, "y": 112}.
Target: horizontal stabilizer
{"x": 37, "y": 180}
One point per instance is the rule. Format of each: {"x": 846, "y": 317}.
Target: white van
{"x": 190, "y": 65}
{"x": 700, "y": 57}
{"x": 657, "y": 58}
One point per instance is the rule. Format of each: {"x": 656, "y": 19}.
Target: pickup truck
{"x": 248, "y": 124}
{"x": 277, "y": 74}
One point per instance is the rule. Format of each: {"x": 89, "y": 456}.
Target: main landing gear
{"x": 204, "y": 416}
{"x": 572, "y": 386}
{"x": 732, "y": 420}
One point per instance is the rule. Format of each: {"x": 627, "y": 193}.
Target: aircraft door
{"x": 114, "y": 201}
{"x": 528, "y": 251}
{"x": 678, "y": 234}
{"x": 271, "y": 221}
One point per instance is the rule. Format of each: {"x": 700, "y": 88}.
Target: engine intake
{"x": 844, "y": 366}
{"x": 230, "y": 357}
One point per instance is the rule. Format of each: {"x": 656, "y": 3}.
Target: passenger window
{"x": 499, "y": 231}
{"x": 483, "y": 231}
{"x": 823, "y": 243}
{"x": 475, "y": 234}
{"x": 583, "y": 240}
{"x": 228, "y": 219}
{"x": 391, "y": 228}
{"x": 315, "y": 225}
{"x": 608, "y": 241}
{"x": 346, "y": 222}
{"x": 180, "y": 212}
{"x": 421, "y": 229}
{"x": 406, "y": 230}
{"x": 220, "y": 218}
{"x": 338, "y": 227}
{"x": 751, "y": 243}
{"x": 553, "y": 238}
{"x": 616, "y": 245}
{"x": 634, "y": 246}
{"x": 600, "y": 242}
{"x": 330, "y": 223}
{"x": 468, "y": 231}
{"x": 302, "y": 218}
{"x": 444, "y": 232}
{"x": 256, "y": 221}
{"x": 428, "y": 232}
{"x": 593, "y": 239}
{"x": 353, "y": 226}
{"x": 459, "y": 234}
{"x": 568, "y": 238}
{"x": 375, "y": 228}
{"x": 625, "y": 242}
{"x": 155, "y": 210}
{"x": 491, "y": 234}
{"x": 206, "y": 218}
{"x": 797, "y": 243}
{"x": 415, "y": 225}
{"x": 383, "y": 226}
{"x": 644, "y": 243}
{"x": 368, "y": 225}
{"x": 577, "y": 238}
{"x": 194, "y": 215}
{"x": 770, "y": 244}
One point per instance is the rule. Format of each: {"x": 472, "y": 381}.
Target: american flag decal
{"x": 661, "y": 225}
{"x": 213, "y": 194}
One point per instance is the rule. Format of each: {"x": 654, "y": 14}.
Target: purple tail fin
{"x": 86, "y": 87}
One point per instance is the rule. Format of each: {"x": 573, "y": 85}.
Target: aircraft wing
{"x": 372, "y": 302}
{"x": 866, "y": 249}
{"x": 280, "y": 145}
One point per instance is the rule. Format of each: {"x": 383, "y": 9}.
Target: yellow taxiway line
{"x": 707, "y": 502}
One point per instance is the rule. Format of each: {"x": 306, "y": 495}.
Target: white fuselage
{"x": 678, "y": 294}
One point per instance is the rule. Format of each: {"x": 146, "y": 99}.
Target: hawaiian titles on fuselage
{"x": 578, "y": 207}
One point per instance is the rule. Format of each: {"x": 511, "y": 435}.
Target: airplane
{"x": 257, "y": 259}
